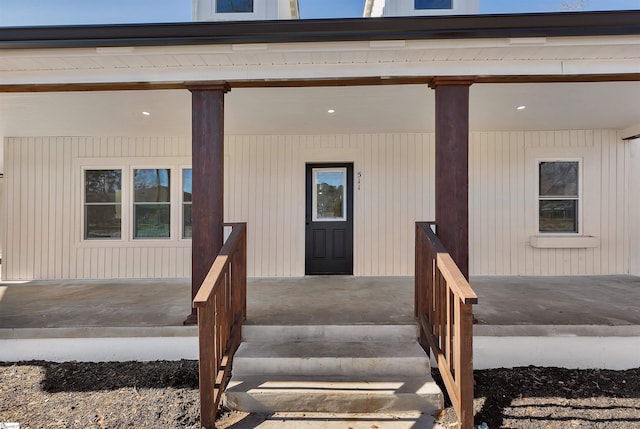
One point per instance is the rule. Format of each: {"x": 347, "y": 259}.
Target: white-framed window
{"x": 151, "y": 203}
{"x": 102, "y": 203}
{"x": 187, "y": 191}
{"x": 432, "y": 4}
{"x": 234, "y": 6}
{"x": 559, "y": 196}
{"x": 131, "y": 202}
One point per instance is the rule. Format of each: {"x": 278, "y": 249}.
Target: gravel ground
{"x": 164, "y": 395}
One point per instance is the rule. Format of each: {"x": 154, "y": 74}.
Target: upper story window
{"x": 102, "y": 204}
{"x": 558, "y": 200}
{"x": 151, "y": 203}
{"x": 433, "y": 4}
{"x": 234, "y": 6}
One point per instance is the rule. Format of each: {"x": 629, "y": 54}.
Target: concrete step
{"x": 337, "y": 394}
{"x": 312, "y": 358}
{"x": 309, "y": 420}
{"x": 329, "y": 333}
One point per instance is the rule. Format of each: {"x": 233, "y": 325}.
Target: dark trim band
{"x": 365, "y": 81}
{"x": 326, "y": 30}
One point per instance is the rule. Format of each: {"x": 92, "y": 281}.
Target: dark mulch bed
{"x": 164, "y": 395}
{"x": 554, "y": 398}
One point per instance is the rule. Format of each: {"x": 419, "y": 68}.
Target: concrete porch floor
{"x": 579, "y": 322}
{"x": 336, "y": 300}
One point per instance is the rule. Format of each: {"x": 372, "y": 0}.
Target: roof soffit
{"x": 551, "y": 56}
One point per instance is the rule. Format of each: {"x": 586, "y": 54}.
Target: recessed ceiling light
{"x": 521, "y": 107}
{"x": 331, "y": 111}
{"x": 146, "y": 113}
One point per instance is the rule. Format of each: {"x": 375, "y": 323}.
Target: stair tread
{"x": 365, "y": 394}
{"x": 329, "y": 333}
{"x": 317, "y": 350}
{"x": 343, "y": 384}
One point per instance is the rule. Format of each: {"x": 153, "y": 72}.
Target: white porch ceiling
{"x": 364, "y": 109}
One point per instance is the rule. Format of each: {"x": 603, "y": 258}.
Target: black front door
{"x": 329, "y": 219}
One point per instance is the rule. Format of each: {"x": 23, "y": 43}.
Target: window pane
{"x": 330, "y": 186}
{"x": 234, "y": 6}
{"x": 102, "y": 186}
{"x": 558, "y": 215}
{"x": 559, "y": 179}
{"x": 102, "y": 221}
{"x": 151, "y": 220}
{"x": 186, "y": 185}
{"x": 186, "y": 219}
{"x": 151, "y": 186}
{"x": 433, "y": 4}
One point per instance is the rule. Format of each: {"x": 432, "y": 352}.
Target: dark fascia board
{"x": 325, "y": 30}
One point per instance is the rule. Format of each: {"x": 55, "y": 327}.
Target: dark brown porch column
{"x": 452, "y": 166}
{"x": 207, "y": 210}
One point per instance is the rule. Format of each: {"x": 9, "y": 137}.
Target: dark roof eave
{"x": 325, "y": 30}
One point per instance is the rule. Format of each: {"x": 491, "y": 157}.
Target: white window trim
{"x": 123, "y": 198}
{"x": 127, "y": 165}
{"x": 589, "y": 196}
{"x": 449, "y": 9}
{"x": 259, "y": 12}
{"x": 407, "y": 8}
{"x": 181, "y": 196}
{"x": 172, "y": 198}
{"x": 579, "y": 160}
{"x": 563, "y": 240}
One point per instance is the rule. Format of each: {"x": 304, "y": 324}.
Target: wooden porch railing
{"x": 221, "y": 304}
{"x": 443, "y": 310}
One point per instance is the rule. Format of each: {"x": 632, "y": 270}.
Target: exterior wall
{"x": 395, "y": 189}
{"x": 634, "y": 207}
{"x": 43, "y": 226}
{"x": 264, "y": 186}
{"x": 2, "y": 214}
{"x": 378, "y": 8}
{"x": 205, "y": 10}
{"x": 503, "y": 202}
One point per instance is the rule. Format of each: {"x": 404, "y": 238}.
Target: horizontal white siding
{"x": 264, "y": 186}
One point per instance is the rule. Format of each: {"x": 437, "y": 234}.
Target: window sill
{"x": 157, "y": 243}
{"x": 564, "y": 242}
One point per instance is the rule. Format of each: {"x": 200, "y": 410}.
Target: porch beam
{"x": 207, "y": 152}
{"x": 452, "y": 166}
{"x": 316, "y": 82}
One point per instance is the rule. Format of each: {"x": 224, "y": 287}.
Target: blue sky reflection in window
{"x": 234, "y": 6}
{"x": 433, "y": 4}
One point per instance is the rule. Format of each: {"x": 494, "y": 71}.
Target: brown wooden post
{"x": 207, "y": 210}
{"x": 452, "y": 166}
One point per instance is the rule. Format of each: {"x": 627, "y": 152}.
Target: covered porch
{"x": 440, "y": 154}
{"x": 562, "y": 307}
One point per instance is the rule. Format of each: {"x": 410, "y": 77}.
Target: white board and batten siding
{"x": 503, "y": 202}
{"x": 43, "y": 206}
{"x": 265, "y": 187}
{"x": 634, "y": 207}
